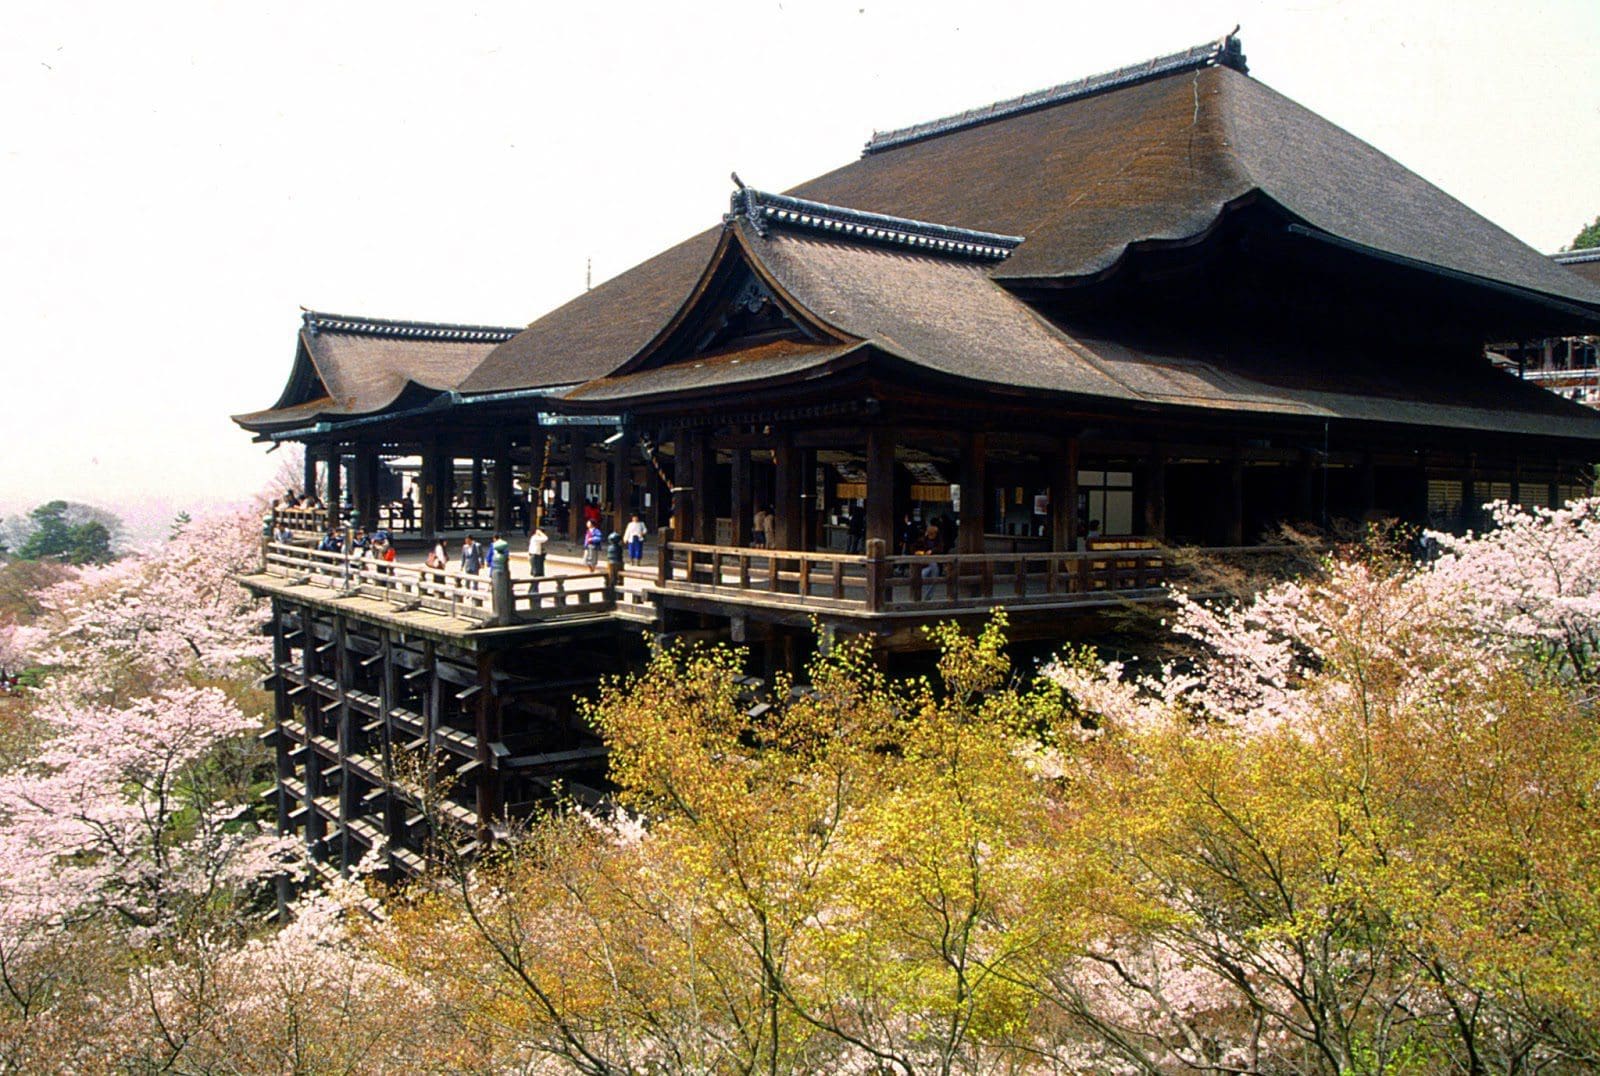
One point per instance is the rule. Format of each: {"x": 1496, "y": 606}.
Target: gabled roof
{"x": 1155, "y": 153}
{"x": 348, "y": 366}
{"x": 889, "y": 306}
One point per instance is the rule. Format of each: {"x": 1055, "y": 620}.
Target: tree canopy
{"x": 68, "y": 532}
{"x": 1588, "y": 237}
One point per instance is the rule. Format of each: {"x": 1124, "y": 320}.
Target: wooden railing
{"x": 445, "y": 591}
{"x": 875, "y": 584}
{"x": 772, "y": 575}
{"x": 310, "y": 520}
{"x": 987, "y": 579}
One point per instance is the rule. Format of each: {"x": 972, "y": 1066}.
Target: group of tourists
{"x": 378, "y": 545}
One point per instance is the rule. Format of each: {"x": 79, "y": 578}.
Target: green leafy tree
{"x": 1589, "y": 237}
{"x": 73, "y": 533}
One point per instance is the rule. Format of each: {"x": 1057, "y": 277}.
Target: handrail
{"x": 876, "y": 583}
{"x": 448, "y": 591}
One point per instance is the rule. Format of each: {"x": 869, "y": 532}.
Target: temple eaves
{"x": 1224, "y": 52}
{"x": 1577, "y": 257}
{"x": 316, "y": 322}
{"x": 765, "y": 210}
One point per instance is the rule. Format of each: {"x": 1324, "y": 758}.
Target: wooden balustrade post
{"x": 877, "y": 574}
{"x": 664, "y": 557}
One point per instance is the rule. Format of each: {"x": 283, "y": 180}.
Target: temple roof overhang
{"x": 877, "y": 304}
{"x": 346, "y": 367}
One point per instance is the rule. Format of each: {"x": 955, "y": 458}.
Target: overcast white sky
{"x": 177, "y": 178}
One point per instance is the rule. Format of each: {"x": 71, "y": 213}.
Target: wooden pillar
{"x": 622, "y": 481}
{"x": 428, "y": 479}
{"x": 1155, "y": 495}
{"x": 394, "y": 815}
{"x": 335, "y": 479}
{"x": 486, "y": 730}
{"x": 880, "y": 486}
{"x": 1305, "y": 488}
{"x": 1063, "y": 468}
{"x": 742, "y": 510}
{"x": 342, "y": 679}
{"x": 309, "y": 485}
{"x": 1233, "y": 500}
{"x": 699, "y": 525}
{"x": 969, "y": 531}
{"x": 475, "y": 495}
{"x": 501, "y": 490}
{"x": 312, "y": 787}
{"x": 1469, "y": 495}
{"x": 364, "y": 482}
{"x": 1516, "y": 480}
{"x": 789, "y": 527}
{"x": 577, "y": 475}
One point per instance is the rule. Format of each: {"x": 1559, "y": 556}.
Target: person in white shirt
{"x": 536, "y": 542}
{"x": 633, "y": 537}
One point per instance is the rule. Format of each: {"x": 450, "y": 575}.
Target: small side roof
{"x": 1584, "y": 262}
{"x": 347, "y": 366}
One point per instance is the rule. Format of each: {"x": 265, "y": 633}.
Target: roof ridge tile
{"x": 1224, "y": 52}
{"x": 319, "y": 322}
{"x": 765, "y": 210}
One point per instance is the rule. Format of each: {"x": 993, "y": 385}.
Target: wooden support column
{"x": 309, "y": 479}
{"x": 699, "y": 525}
{"x": 969, "y": 530}
{"x": 342, "y": 678}
{"x": 282, "y": 712}
{"x": 335, "y": 479}
{"x": 1470, "y": 495}
{"x": 501, "y": 491}
{"x": 880, "y": 486}
{"x": 1233, "y": 500}
{"x": 789, "y": 494}
{"x": 1063, "y": 467}
{"x": 313, "y": 766}
{"x": 1516, "y": 480}
{"x": 1155, "y": 495}
{"x": 742, "y": 510}
{"x": 364, "y": 480}
{"x": 394, "y": 815}
{"x": 428, "y": 480}
{"x": 1305, "y": 488}
{"x": 475, "y": 495}
{"x": 622, "y": 481}
{"x": 486, "y": 730}
{"x": 577, "y": 478}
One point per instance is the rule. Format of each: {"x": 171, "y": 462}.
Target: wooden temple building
{"x": 1011, "y": 357}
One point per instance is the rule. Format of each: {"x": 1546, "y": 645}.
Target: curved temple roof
{"x": 348, "y": 366}
{"x": 1157, "y": 152}
{"x": 1047, "y": 190}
